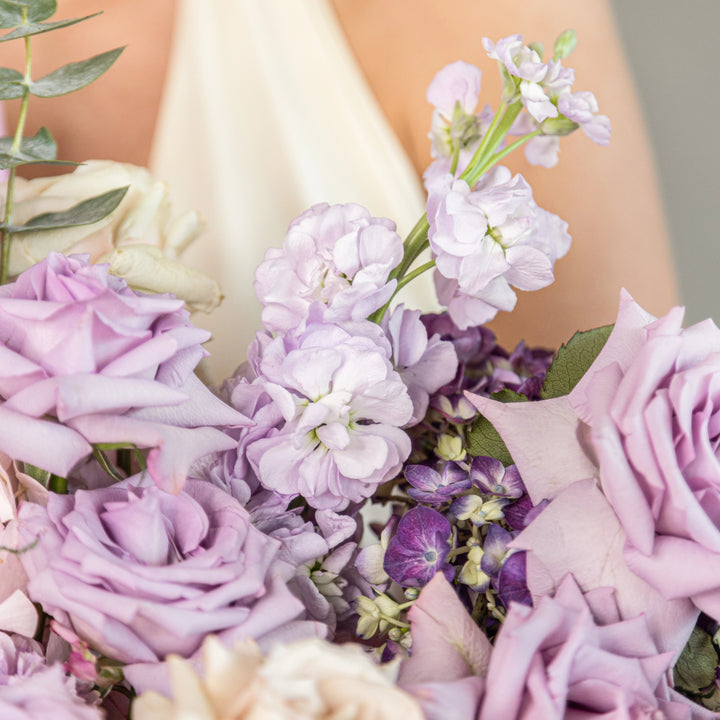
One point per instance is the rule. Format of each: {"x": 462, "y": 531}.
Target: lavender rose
{"x": 572, "y": 656}
{"x": 139, "y": 573}
{"x": 652, "y": 399}
{"x": 112, "y": 366}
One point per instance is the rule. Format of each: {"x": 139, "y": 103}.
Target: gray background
{"x": 672, "y": 46}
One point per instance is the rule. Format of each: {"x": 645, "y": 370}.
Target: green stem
{"x": 494, "y": 159}
{"x": 412, "y": 275}
{"x": 5, "y": 236}
{"x": 415, "y": 243}
{"x": 482, "y": 147}
{"x": 58, "y": 485}
{"x": 475, "y": 169}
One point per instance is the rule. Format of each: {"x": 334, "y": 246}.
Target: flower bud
{"x": 450, "y": 447}
{"x": 558, "y": 126}
{"x": 564, "y": 44}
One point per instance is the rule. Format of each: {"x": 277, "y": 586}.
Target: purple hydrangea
{"x": 338, "y": 255}
{"x": 419, "y": 548}
{"x": 490, "y": 477}
{"x": 435, "y": 488}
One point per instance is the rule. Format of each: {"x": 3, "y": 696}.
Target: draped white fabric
{"x": 266, "y": 112}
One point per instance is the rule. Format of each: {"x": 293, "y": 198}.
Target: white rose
{"x": 141, "y": 239}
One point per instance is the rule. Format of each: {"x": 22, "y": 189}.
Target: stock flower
{"x": 342, "y": 406}
{"x": 419, "y": 548}
{"x": 534, "y": 78}
{"x": 581, "y": 107}
{"x": 32, "y": 690}
{"x": 142, "y": 238}
{"x": 487, "y": 239}
{"x": 79, "y": 347}
{"x": 138, "y": 573}
{"x": 572, "y": 656}
{"x": 454, "y": 93}
{"x": 308, "y": 680}
{"x": 425, "y": 363}
{"x": 336, "y": 254}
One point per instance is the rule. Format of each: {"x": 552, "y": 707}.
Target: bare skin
{"x": 608, "y": 195}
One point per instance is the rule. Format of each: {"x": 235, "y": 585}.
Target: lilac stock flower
{"x": 79, "y": 347}
{"x": 538, "y": 81}
{"x": 434, "y": 488}
{"x": 138, "y": 573}
{"x": 32, "y": 690}
{"x": 424, "y": 363}
{"x": 342, "y": 405}
{"x": 419, "y": 548}
{"x": 454, "y": 92}
{"x": 338, "y": 255}
{"x": 581, "y": 107}
{"x": 486, "y": 240}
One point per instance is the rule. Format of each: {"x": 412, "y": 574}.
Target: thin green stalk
{"x": 494, "y": 159}
{"x": 412, "y": 275}
{"x": 5, "y": 236}
{"x": 481, "y": 148}
{"x": 474, "y": 170}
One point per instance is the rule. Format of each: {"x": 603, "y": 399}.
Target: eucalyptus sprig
{"x": 24, "y": 19}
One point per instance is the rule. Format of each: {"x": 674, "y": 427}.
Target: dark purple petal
{"x": 512, "y": 582}
{"x": 423, "y": 477}
{"x": 486, "y": 473}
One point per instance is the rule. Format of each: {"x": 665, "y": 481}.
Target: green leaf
{"x": 11, "y": 84}
{"x": 484, "y": 439}
{"x": 84, "y": 213}
{"x": 572, "y": 361}
{"x": 74, "y": 76}
{"x": 695, "y": 668}
{"x": 37, "y": 10}
{"x": 38, "y": 28}
{"x": 39, "y": 148}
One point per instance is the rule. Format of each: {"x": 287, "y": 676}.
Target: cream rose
{"x": 142, "y": 238}
{"x": 305, "y": 680}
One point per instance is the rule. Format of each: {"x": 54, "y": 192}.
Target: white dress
{"x": 265, "y": 113}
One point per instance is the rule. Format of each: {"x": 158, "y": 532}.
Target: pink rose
{"x": 571, "y": 656}
{"x": 84, "y": 359}
{"x": 652, "y": 401}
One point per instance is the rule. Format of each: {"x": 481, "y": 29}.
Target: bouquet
{"x": 382, "y": 513}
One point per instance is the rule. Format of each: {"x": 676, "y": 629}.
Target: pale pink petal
{"x": 542, "y": 438}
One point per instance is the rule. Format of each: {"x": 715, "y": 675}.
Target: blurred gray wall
{"x": 672, "y": 46}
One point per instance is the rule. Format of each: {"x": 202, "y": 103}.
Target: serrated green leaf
{"x": 11, "y": 84}
{"x": 695, "y": 668}
{"x": 84, "y": 213}
{"x": 508, "y": 396}
{"x": 37, "y": 10}
{"x": 572, "y": 361}
{"x": 74, "y": 76}
{"x": 484, "y": 439}
{"x": 38, "y": 28}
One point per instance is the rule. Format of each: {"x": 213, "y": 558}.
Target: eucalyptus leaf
{"x": 84, "y": 213}
{"x": 74, "y": 76}
{"x": 572, "y": 361}
{"x": 11, "y": 84}
{"x": 38, "y": 28}
{"x": 37, "y": 10}
{"x": 695, "y": 668}
{"x": 38, "y": 148}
